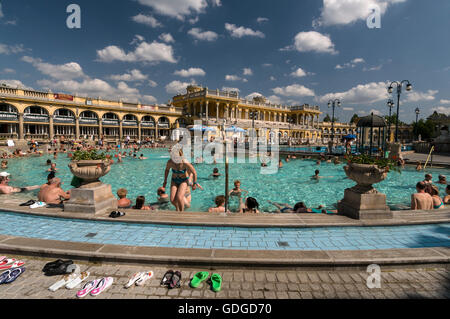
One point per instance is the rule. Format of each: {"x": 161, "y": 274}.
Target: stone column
{"x": 228, "y": 112}
{"x": 77, "y": 128}
{"x": 51, "y": 128}
{"x": 207, "y": 110}
{"x": 100, "y": 129}
{"x": 21, "y": 136}
{"x": 217, "y": 112}
{"x": 156, "y": 130}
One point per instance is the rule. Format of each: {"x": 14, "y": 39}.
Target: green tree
{"x": 393, "y": 120}
{"x": 354, "y": 119}
{"x": 328, "y": 119}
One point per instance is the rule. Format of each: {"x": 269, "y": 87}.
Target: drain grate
{"x": 91, "y": 235}
{"x": 283, "y": 244}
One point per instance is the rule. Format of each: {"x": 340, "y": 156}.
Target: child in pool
{"x": 237, "y": 191}
{"x": 163, "y": 198}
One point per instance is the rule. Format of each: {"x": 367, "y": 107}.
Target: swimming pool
{"x": 290, "y": 185}
{"x": 328, "y": 238}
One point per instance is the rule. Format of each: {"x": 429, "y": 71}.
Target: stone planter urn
{"x": 92, "y": 197}
{"x": 363, "y": 201}
{"x": 90, "y": 170}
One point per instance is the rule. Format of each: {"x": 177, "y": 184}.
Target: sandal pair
{"x": 116, "y": 214}
{"x": 215, "y": 281}
{"x": 171, "y": 279}
{"x": 11, "y": 275}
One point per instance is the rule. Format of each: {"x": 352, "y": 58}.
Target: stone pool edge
{"x": 218, "y": 257}
{"x": 401, "y": 218}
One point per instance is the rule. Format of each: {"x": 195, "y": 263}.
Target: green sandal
{"x": 216, "y": 282}
{"x": 199, "y": 278}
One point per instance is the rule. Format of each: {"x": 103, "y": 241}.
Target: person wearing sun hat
{"x": 6, "y": 189}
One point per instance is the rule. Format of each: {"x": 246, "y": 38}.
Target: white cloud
{"x": 97, "y": 87}
{"x": 262, "y": 20}
{"x": 232, "y": 78}
{"x": 15, "y": 84}
{"x": 414, "y": 96}
{"x": 294, "y": 90}
{"x": 152, "y": 83}
{"x": 445, "y": 101}
{"x": 145, "y": 52}
{"x": 1, "y": 11}
{"x": 247, "y": 71}
{"x": 11, "y": 49}
{"x": 9, "y": 71}
{"x": 239, "y": 32}
{"x": 440, "y": 109}
{"x": 348, "y": 108}
{"x": 341, "y": 12}
{"x": 177, "y": 87}
{"x": 267, "y": 65}
{"x": 198, "y": 34}
{"x": 217, "y": 3}
{"x": 313, "y": 41}
{"x": 71, "y": 70}
{"x": 176, "y": 8}
{"x": 272, "y": 78}
{"x": 193, "y": 20}
{"x": 275, "y": 99}
{"x": 190, "y": 72}
{"x": 133, "y": 75}
{"x": 299, "y": 73}
{"x": 360, "y": 94}
{"x": 149, "y": 99}
{"x": 350, "y": 64}
{"x": 166, "y": 37}
{"x": 147, "y": 20}
{"x": 374, "y": 68}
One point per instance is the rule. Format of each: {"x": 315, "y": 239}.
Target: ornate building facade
{"x": 27, "y": 114}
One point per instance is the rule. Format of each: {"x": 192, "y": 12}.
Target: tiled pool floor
{"x": 329, "y": 238}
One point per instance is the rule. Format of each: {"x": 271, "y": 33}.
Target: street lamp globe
{"x": 390, "y": 89}
{"x": 417, "y": 111}
{"x": 409, "y": 87}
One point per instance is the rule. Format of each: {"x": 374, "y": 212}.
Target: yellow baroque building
{"x": 29, "y": 114}
{"x": 223, "y": 108}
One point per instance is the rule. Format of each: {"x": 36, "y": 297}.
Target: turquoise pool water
{"x": 329, "y": 238}
{"x": 290, "y": 185}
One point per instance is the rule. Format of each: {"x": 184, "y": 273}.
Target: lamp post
{"x": 333, "y": 104}
{"x": 399, "y": 86}
{"x": 417, "y": 120}
{"x": 390, "y": 105}
{"x": 253, "y": 116}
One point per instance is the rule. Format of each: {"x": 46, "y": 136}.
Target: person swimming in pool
{"x": 237, "y": 191}
{"x": 181, "y": 170}
{"x": 215, "y": 173}
{"x": 316, "y": 175}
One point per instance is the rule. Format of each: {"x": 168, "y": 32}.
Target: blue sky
{"x": 291, "y": 51}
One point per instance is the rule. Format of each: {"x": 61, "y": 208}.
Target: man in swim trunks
{"x": 6, "y": 189}
{"x": 123, "y": 201}
{"x": 53, "y": 193}
{"x": 421, "y": 200}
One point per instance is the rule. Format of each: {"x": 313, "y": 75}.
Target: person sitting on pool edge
{"x": 251, "y": 206}
{"x": 220, "y": 205}
{"x": 123, "y": 201}
{"x": 52, "y": 194}
{"x": 140, "y": 204}
{"x": 447, "y": 197}
{"x": 421, "y": 200}
{"x": 438, "y": 203}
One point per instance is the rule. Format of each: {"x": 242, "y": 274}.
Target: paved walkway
{"x": 430, "y": 282}
{"x": 437, "y": 159}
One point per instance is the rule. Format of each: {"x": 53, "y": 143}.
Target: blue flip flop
{"x": 11, "y": 275}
